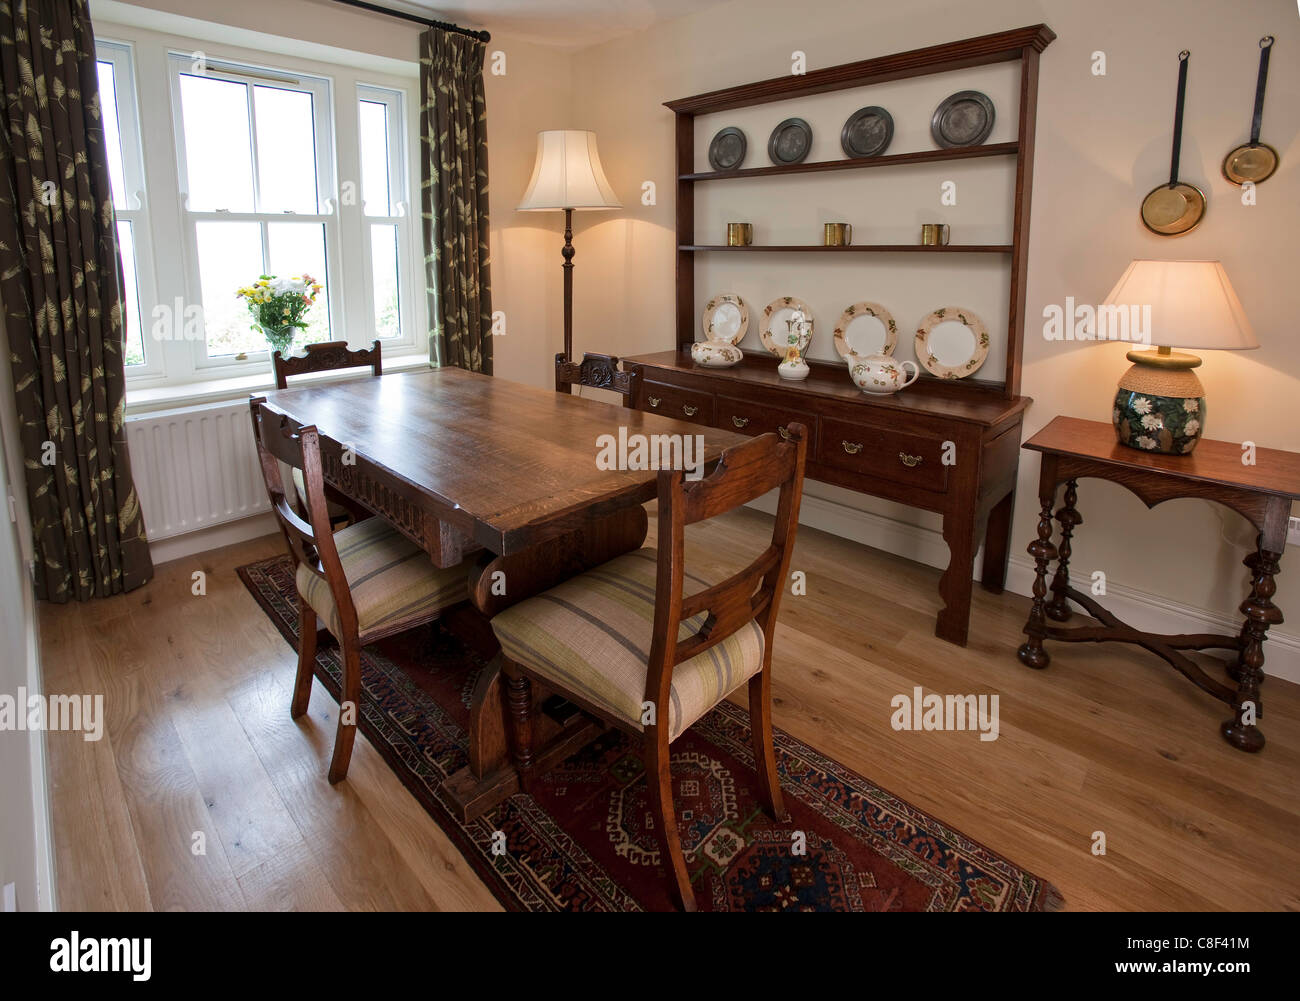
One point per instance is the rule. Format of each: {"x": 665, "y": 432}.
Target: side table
{"x": 1261, "y": 491}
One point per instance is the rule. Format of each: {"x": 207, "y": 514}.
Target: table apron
{"x": 1260, "y": 509}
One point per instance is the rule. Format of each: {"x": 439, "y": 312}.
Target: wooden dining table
{"x": 502, "y": 476}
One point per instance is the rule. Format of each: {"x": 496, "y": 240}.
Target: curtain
{"x": 60, "y": 286}
{"x": 454, "y": 199}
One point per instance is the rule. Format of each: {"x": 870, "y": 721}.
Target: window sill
{"x": 144, "y": 401}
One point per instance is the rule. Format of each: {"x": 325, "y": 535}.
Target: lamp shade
{"x": 1193, "y": 304}
{"x": 567, "y": 174}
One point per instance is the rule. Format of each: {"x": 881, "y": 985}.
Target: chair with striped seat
{"x": 364, "y": 582}
{"x": 623, "y": 642}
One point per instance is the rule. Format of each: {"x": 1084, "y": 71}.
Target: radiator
{"x": 195, "y": 468}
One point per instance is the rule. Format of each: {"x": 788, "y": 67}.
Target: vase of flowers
{"x": 279, "y": 307}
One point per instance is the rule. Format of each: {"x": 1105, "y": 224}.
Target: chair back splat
{"x": 744, "y": 473}
{"x": 311, "y": 540}
{"x": 595, "y": 370}
{"x": 328, "y": 356}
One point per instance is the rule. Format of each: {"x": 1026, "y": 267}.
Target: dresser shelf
{"x": 891, "y": 160}
{"x": 866, "y": 248}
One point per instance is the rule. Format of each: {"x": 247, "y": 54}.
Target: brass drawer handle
{"x": 909, "y": 461}
{"x": 690, "y": 411}
{"x": 740, "y": 422}
{"x": 780, "y": 429}
{"x": 654, "y": 401}
{"x": 852, "y": 447}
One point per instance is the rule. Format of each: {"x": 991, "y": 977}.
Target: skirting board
{"x": 178, "y": 547}
{"x": 1136, "y": 607}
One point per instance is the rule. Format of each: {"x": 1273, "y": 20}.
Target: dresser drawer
{"x": 691, "y": 405}
{"x": 747, "y": 417}
{"x": 913, "y": 459}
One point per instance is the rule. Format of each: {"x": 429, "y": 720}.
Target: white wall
{"x": 1102, "y": 143}
{"x": 25, "y": 846}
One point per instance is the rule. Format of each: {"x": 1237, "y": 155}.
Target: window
{"x": 256, "y": 162}
{"x": 126, "y": 177}
{"x": 383, "y": 200}
{"x": 256, "y": 165}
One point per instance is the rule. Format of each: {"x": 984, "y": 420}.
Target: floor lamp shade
{"x": 567, "y": 174}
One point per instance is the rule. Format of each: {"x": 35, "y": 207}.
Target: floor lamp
{"x": 568, "y": 176}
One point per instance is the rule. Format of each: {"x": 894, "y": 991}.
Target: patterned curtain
{"x": 60, "y": 285}
{"x": 454, "y": 199}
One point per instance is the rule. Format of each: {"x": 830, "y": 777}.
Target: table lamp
{"x": 568, "y": 176}
{"x": 1160, "y": 406}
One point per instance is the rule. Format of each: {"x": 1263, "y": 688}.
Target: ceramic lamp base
{"x": 1160, "y": 405}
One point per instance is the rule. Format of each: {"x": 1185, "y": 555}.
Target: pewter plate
{"x": 727, "y": 150}
{"x": 964, "y": 119}
{"x": 868, "y": 132}
{"x": 790, "y": 141}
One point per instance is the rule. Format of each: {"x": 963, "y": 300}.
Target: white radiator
{"x": 195, "y": 468}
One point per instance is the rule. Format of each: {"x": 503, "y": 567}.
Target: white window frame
{"x": 399, "y": 193}
{"x": 121, "y": 56}
{"x": 183, "y": 64}
{"x": 168, "y": 276}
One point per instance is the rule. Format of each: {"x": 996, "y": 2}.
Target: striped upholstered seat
{"x": 392, "y": 580}
{"x": 591, "y": 635}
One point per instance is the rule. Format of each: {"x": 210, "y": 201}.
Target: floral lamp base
{"x": 1160, "y": 406}
{"x": 1166, "y": 425}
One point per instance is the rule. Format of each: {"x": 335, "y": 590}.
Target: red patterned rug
{"x": 582, "y": 842}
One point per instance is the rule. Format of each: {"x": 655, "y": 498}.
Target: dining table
{"x": 512, "y": 480}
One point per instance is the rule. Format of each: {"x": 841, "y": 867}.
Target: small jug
{"x": 880, "y": 375}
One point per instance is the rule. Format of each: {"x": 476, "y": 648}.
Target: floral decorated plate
{"x": 775, "y": 332}
{"x": 951, "y": 342}
{"x": 715, "y": 354}
{"x": 726, "y": 318}
{"x": 866, "y": 328}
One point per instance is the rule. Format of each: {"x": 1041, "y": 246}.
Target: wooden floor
{"x": 199, "y": 747}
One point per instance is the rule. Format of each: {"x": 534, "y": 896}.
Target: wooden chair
{"x": 595, "y": 370}
{"x": 364, "y": 582}
{"x": 622, "y": 641}
{"x": 328, "y": 356}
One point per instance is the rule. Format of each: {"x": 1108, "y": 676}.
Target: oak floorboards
{"x": 198, "y": 738}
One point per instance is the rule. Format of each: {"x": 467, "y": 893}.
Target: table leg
{"x": 957, "y": 582}
{"x": 997, "y": 544}
{"x": 496, "y": 583}
{"x": 1251, "y": 562}
{"x": 1031, "y": 652}
{"x": 1058, "y": 608}
{"x": 1241, "y": 731}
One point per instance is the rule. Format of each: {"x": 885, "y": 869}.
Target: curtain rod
{"x": 374, "y": 8}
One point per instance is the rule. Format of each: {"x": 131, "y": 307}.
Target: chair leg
{"x": 351, "y": 693}
{"x": 660, "y": 788}
{"x": 519, "y": 721}
{"x": 306, "y": 659}
{"x": 760, "y": 729}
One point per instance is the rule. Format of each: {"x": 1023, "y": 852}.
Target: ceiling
{"x": 567, "y": 23}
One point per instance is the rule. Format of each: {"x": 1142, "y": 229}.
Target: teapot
{"x": 880, "y": 374}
